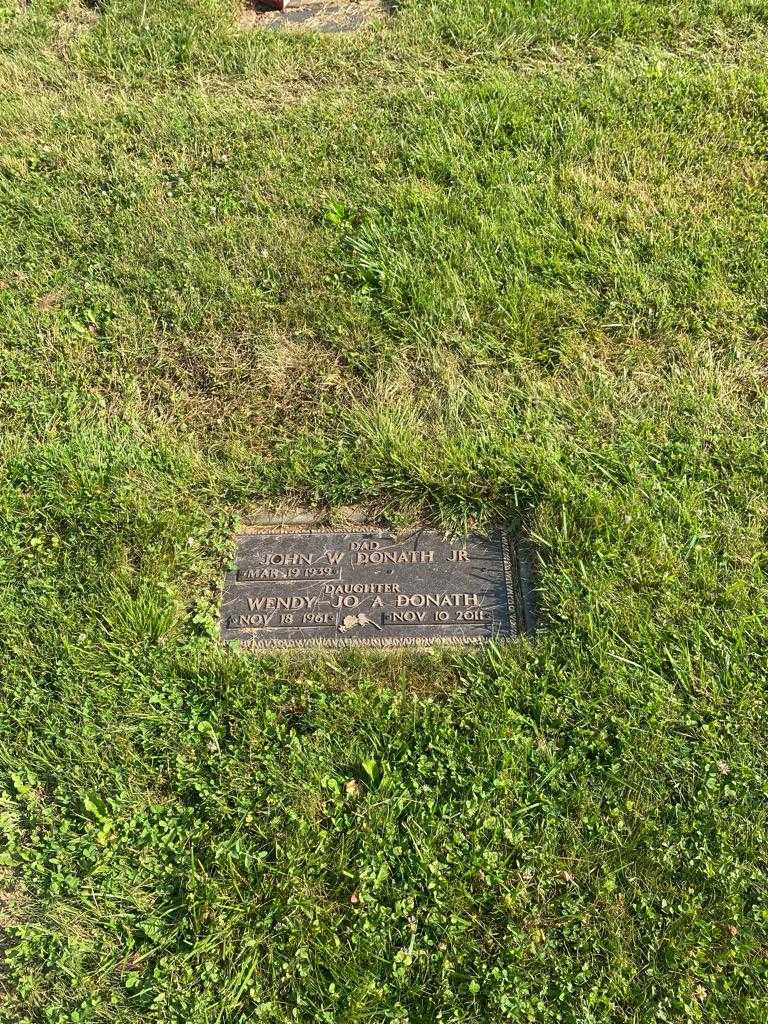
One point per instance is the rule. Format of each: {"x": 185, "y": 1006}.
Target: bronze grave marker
{"x": 370, "y": 587}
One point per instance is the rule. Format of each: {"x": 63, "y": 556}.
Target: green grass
{"x": 487, "y": 261}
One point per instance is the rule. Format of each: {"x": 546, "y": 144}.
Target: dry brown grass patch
{"x": 316, "y": 15}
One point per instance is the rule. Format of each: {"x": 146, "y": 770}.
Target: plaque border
{"x": 512, "y": 562}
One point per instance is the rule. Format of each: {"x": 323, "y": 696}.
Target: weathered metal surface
{"x": 370, "y": 587}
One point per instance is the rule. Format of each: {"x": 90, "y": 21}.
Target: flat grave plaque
{"x": 370, "y": 587}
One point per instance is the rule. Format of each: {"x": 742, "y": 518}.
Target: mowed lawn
{"x": 485, "y": 262}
